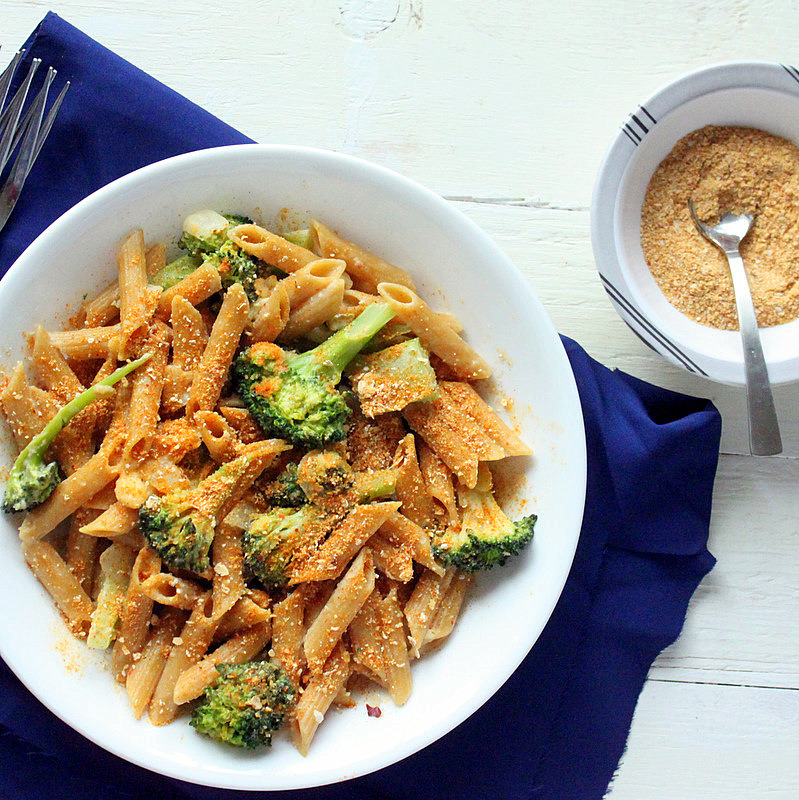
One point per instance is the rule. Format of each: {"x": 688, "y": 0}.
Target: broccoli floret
{"x": 246, "y": 704}
{"x": 294, "y": 395}
{"x": 273, "y": 538}
{"x": 485, "y": 536}
{"x": 180, "y": 526}
{"x": 328, "y": 481}
{"x": 205, "y": 237}
{"x": 284, "y": 491}
{"x": 32, "y": 479}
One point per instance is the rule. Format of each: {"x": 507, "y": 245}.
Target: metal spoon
{"x": 764, "y": 430}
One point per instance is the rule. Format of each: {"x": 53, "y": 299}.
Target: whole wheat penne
{"x": 367, "y": 270}
{"x": 146, "y": 670}
{"x": 319, "y": 694}
{"x": 366, "y": 638}
{"x": 372, "y": 443}
{"x": 401, "y": 531}
{"x": 394, "y": 560}
{"x": 196, "y": 287}
{"x": 314, "y": 311}
{"x": 52, "y": 368}
{"x": 287, "y": 633}
{"x": 59, "y": 582}
{"x": 103, "y": 308}
{"x": 27, "y": 408}
{"x": 449, "y": 608}
{"x": 270, "y": 248}
{"x": 189, "y": 648}
{"x": 189, "y": 335}
{"x": 437, "y": 478}
{"x": 81, "y": 551}
{"x": 133, "y": 313}
{"x": 244, "y": 614}
{"x": 242, "y": 422}
{"x": 155, "y": 259}
{"x": 70, "y": 495}
{"x": 344, "y": 541}
{"x": 174, "y": 439}
{"x": 116, "y": 563}
{"x": 217, "y": 435}
{"x": 423, "y": 604}
{"x": 211, "y": 374}
{"x": 134, "y": 621}
{"x": 240, "y": 649}
{"x": 171, "y": 590}
{"x": 177, "y": 385}
{"x": 145, "y": 398}
{"x": 114, "y": 521}
{"x": 271, "y": 314}
{"x": 347, "y": 598}
{"x": 162, "y": 474}
{"x": 395, "y": 649}
{"x": 228, "y": 561}
{"x": 454, "y": 435}
{"x": 436, "y": 336}
{"x": 417, "y": 505}
{"x": 85, "y": 343}
{"x": 311, "y": 279}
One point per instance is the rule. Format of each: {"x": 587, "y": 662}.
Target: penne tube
{"x": 155, "y": 259}
{"x": 271, "y": 315}
{"x": 270, "y": 248}
{"x": 211, "y": 374}
{"x": 410, "y": 489}
{"x": 86, "y": 343}
{"x": 103, "y": 308}
{"x": 312, "y": 279}
{"x": 27, "y": 408}
{"x": 423, "y": 604}
{"x": 372, "y": 443}
{"x": 189, "y": 334}
{"x": 177, "y": 385}
{"x": 436, "y": 336}
{"x": 334, "y": 618}
{"x": 288, "y": 631}
{"x": 228, "y": 561}
{"x": 247, "y": 429}
{"x": 220, "y": 439}
{"x": 438, "y": 481}
{"x": 189, "y": 648}
{"x": 147, "y": 669}
{"x": 133, "y": 312}
{"x": 366, "y": 638}
{"x": 163, "y": 475}
{"x": 196, "y": 287}
{"x": 240, "y": 649}
{"x": 244, "y": 614}
{"x": 52, "y": 368}
{"x": 134, "y": 621}
{"x": 367, "y": 270}
{"x": 171, "y": 590}
{"x": 116, "y": 520}
{"x": 401, "y": 531}
{"x": 70, "y": 495}
{"x": 344, "y": 541}
{"x": 319, "y": 694}
{"x": 314, "y": 311}
{"x": 59, "y": 582}
{"x": 81, "y": 552}
{"x": 174, "y": 439}
{"x": 395, "y": 649}
{"x": 394, "y": 560}
{"x": 145, "y": 398}
{"x": 449, "y": 608}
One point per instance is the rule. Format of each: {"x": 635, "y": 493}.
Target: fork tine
{"x": 14, "y": 110}
{"x": 35, "y": 108}
{"x": 5, "y": 78}
{"x": 44, "y": 131}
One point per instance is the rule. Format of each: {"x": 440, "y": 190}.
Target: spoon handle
{"x": 764, "y": 431}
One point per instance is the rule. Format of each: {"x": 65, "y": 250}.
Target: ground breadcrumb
{"x": 725, "y": 169}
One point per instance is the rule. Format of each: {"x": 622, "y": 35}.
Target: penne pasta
{"x": 228, "y": 561}
{"x": 197, "y": 287}
{"x": 271, "y": 248}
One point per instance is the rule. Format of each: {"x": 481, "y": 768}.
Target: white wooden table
{"x": 506, "y": 108}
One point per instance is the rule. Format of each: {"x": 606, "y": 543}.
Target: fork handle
{"x": 764, "y": 430}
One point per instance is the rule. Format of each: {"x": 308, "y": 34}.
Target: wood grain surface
{"x": 506, "y": 109}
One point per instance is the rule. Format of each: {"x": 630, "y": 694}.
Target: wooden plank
{"x": 711, "y": 742}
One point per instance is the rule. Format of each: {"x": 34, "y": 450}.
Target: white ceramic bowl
{"x": 456, "y": 266}
{"x": 750, "y": 94}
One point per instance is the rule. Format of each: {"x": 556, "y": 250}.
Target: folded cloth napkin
{"x": 557, "y": 728}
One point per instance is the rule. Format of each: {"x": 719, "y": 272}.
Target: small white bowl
{"x": 750, "y": 94}
{"x": 456, "y": 265}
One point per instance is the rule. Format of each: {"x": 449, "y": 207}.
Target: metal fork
{"x": 23, "y": 131}
{"x": 764, "y": 430}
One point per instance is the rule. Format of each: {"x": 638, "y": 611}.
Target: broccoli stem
{"x": 36, "y": 448}
{"x": 337, "y": 351}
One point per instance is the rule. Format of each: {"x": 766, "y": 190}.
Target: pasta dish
{"x": 258, "y": 475}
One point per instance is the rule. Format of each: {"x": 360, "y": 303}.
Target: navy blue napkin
{"x": 557, "y": 728}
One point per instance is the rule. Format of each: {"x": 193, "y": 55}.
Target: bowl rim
{"x": 460, "y": 222}
{"x": 605, "y": 198}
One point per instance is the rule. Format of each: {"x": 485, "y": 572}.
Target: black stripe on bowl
{"x": 632, "y": 132}
{"x": 792, "y": 71}
{"x": 648, "y": 328}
